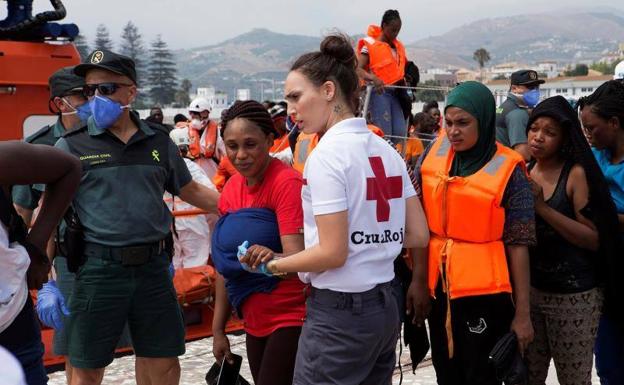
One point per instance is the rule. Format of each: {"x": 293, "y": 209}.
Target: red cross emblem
{"x": 382, "y": 188}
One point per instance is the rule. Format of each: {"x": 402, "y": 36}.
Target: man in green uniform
{"x": 127, "y": 166}
{"x": 67, "y": 98}
{"x": 513, "y": 115}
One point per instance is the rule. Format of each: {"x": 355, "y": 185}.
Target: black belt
{"x": 128, "y": 255}
{"x": 355, "y": 301}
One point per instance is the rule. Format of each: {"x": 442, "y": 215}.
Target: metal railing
{"x": 401, "y": 142}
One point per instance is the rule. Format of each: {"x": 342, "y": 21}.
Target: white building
{"x": 548, "y": 67}
{"x": 243, "y": 94}
{"x": 570, "y": 87}
{"x": 218, "y": 99}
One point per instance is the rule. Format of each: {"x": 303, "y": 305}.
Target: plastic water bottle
{"x": 261, "y": 269}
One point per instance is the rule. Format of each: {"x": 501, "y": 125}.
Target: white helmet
{"x": 200, "y": 104}
{"x": 180, "y": 137}
{"x": 619, "y": 71}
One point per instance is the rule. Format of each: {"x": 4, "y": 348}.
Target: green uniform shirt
{"x": 511, "y": 122}
{"x": 120, "y": 197}
{"x": 28, "y": 196}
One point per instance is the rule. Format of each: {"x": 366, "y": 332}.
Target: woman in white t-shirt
{"x": 360, "y": 209}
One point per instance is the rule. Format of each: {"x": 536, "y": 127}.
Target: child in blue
{"x": 602, "y": 114}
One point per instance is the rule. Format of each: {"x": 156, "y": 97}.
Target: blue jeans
{"x": 609, "y": 350}
{"x": 387, "y": 114}
{"x": 23, "y": 339}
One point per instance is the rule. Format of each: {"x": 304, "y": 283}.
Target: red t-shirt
{"x": 280, "y": 191}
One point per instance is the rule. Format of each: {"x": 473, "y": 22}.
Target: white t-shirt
{"x": 14, "y": 262}
{"x": 11, "y": 371}
{"x": 352, "y": 169}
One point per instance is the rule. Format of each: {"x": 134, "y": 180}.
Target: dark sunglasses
{"x": 105, "y": 89}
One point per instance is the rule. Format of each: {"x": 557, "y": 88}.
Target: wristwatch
{"x": 272, "y": 268}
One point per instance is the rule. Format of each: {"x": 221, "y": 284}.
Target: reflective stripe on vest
{"x": 304, "y": 146}
{"x": 466, "y": 220}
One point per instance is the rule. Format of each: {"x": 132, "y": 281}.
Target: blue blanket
{"x": 259, "y": 227}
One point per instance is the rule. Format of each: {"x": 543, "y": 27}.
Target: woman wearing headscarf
{"x": 574, "y": 214}
{"x": 479, "y": 209}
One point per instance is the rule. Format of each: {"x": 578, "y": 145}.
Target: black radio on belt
{"x": 73, "y": 245}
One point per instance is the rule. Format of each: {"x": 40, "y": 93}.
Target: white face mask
{"x": 196, "y": 124}
{"x": 199, "y": 124}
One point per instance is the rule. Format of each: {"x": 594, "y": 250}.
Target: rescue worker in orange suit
{"x": 192, "y": 236}
{"x": 280, "y": 149}
{"x": 480, "y": 212}
{"x": 206, "y": 144}
{"x": 381, "y": 61}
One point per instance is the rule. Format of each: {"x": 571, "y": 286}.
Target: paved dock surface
{"x": 198, "y": 359}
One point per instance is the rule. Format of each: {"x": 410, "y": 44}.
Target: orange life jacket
{"x": 375, "y": 130}
{"x": 225, "y": 170}
{"x": 414, "y": 147}
{"x": 279, "y": 144}
{"x": 381, "y": 61}
{"x": 466, "y": 221}
{"x": 304, "y": 146}
{"x": 210, "y": 140}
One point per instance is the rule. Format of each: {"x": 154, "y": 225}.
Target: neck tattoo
{"x": 338, "y": 108}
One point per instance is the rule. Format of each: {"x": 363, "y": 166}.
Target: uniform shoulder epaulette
{"x": 42, "y": 132}
{"x": 75, "y": 131}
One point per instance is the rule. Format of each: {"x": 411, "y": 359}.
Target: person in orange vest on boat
{"x": 479, "y": 207}
{"x": 206, "y": 144}
{"x": 381, "y": 61}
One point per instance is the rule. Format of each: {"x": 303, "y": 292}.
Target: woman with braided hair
{"x": 260, "y": 204}
{"x": 602, "y": 114}
{"x": 575, "y": 216}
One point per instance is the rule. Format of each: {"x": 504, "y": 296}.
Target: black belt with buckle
{"x": 135, "y": 255}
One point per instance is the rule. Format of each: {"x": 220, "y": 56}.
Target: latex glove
{"x": 51, "y": 306}
{"x": 242, "y": 251}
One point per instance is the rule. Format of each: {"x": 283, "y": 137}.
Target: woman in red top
{"x": 273, "y": 319}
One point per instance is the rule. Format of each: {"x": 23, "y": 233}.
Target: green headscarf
{"x": 478, "y": 101}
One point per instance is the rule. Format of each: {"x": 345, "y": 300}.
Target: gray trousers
{"x": 349, "y": 338}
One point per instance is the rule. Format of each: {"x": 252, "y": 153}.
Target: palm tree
{"x": 481, "y": 56}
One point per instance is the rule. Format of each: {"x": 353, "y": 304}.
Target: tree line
{"x": 156, "y": 69}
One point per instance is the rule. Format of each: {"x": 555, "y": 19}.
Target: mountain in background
{"x": 564, "y": 37}
{"x": 256, "y": 57}
{"x": 243, "y": 61}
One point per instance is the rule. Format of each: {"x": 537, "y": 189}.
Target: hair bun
{"x": 339, "y": 47}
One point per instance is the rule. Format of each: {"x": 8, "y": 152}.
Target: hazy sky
{"x": 192, "y": 23}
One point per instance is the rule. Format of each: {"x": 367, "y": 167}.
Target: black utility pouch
{"x": 73, "y": 245}
{"x": 506, "y": 359}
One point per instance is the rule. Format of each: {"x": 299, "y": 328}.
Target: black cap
{"x": 109, "y": 61}
{"x": 526, "y": 78}
{"x": 63, "y": 81}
